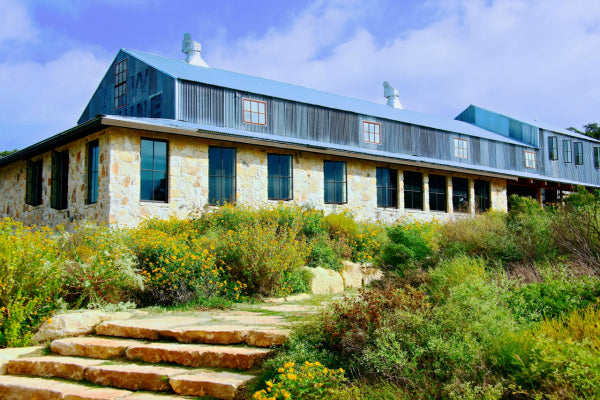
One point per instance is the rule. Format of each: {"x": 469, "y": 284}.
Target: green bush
{"x": 407, "y": 248}
{"x": 31, "y": 271}
{"x": 322, "y": 253}
{"x": 100, "y": 267}
{"x": 453, "y": 272}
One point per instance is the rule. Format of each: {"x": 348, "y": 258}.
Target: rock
{"x": 148, "y": 328}
{"x": 13, "y": 353}
{"x": 132, "y": 377}
{"x": 371, "y": 274}
{"x": 199, "y": 355}
{"x": 296, "y": 297}
{"x": 325, "y": 281}
{"x": 52, "y": 366}
{"x": 223, "y": 385}
{"x": 92, "y": 347}
{"x": 352, "y": 274}
{"x": 74, "y": 324}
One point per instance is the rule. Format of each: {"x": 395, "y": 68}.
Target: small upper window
{"x": 597, "y": 157}
{"x": 567, "y": 151}
{"x": 578, "y": 153}
{"x": 372, "y": 132}
{"x": 255, "y": 112}
{"x": 530, "y": 159}
{"x": 553, "y": 148}
{"x": 461, "y": 148}
{"x": 121, "y": 84}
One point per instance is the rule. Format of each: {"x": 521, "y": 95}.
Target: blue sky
{"x": 537, "y": 59}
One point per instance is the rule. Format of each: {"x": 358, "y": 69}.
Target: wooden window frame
{"x": 281, "y": 178}
{"x": 93, "y": 171}
{"x": 220, "y": 201}
{"x": 387, "y": 194}
{"x": 369, "y": 136}
{"x": 33, "y": 182}
{"x": 461, "y": 148}
{"x": 567, "y": 151}
{"x": 335, "y": 182}
{"x": 154, "y": 170}
{"x": 530, "y": 159}
{"x": 120, "y": 84}
{"x": 578, "y": 150}
{"x": 245, "y": 101}
{"x": 553, "y": 148}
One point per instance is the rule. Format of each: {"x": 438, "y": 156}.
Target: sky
{"x": 534, "y": 59}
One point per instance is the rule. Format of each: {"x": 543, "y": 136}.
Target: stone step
{"x": 72, "y": 368}
{"x": 187, "y": 330}
{"x": 199, "y": 355}
{"x": 190, "y": 355}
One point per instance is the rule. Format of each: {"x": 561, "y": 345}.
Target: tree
{"x": 7, "y": 152}
{"x": 591, "y": 130}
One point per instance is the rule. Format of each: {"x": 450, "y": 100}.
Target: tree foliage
{"x": 5, "y": 153}
{"x": 592, "y": 130}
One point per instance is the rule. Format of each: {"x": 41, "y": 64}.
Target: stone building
{"x": 164, "y": 137}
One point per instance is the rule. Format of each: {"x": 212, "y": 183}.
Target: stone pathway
{"x": 158, "y": 356}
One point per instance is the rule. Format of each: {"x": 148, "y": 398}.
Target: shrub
{"x": 453, "y": 272}
{"x": 31, "y": 271}
{"x": 407, "y": 248}
{"x": 322, "y": 253}
{"x": 267, "y": 258}
{"x": 100, "y": 267}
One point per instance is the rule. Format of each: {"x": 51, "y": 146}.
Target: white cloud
{"x": 535, "y": 58}
{"x": 15, "y": 22}
{"x": 41, "y": 100}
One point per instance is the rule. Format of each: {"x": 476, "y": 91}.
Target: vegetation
{"x": 502, "y": 305}
{"x": 5, "y": 153}
{"x": 591, "y": 129}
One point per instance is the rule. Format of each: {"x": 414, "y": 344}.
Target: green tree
{"x": 7, "y": 152}
{"x": 592, "y": 130}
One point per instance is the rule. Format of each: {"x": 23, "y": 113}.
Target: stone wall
{"x": 119, "y": 187}
{"x": 13, "y": 182}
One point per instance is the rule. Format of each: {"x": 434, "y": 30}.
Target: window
{"x": 482, "y": 196}
{"x": 553, "y": 148}
{"x": 413, "y": 190}
{"x": 461, "y": 148}
{"x": 437, "y": 193}
{"x": 567, "y": 151}
{"x": 387, "y": 188}
{"x": 335, "y": 181}
{"x": 578, "y": 153}
{"x": 60, "y": 180}
{"x": 92, "y": 172}
{"x": 597, "y": 157}
{"x": 279, "y": 167}
{"x": 33, "y": 190}
{"x": 121, "y": 84}
{"x": 154, "y": 170}
{"x": 255, "y": 112}
{"x": 221, "y": 175}
{"x": 372, "y": 132}
{"x": 460, "y": 195}
{"x": 529, "y": 159}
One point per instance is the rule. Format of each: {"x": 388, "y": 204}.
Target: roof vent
{"x": 193, "y": 51}
{"x": 392, "y": 95}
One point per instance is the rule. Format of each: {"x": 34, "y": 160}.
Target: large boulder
{"x": 352, "y": 274}
{"x": 325, "y": 281}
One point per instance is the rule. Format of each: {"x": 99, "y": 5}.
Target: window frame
{"x": 120, "y": 84}
{"x": 375, "y": 135}
{"x": 459, "y": 150}
{"x": 464, "y": 206}
{"x": 411, "y": 193}
{"x": 482, "y": 202}
{"x": 387, "y": 194}
{"x": 154, "y": 170}
{"x": 281, "y": 178}
{"x": 59, "y": 193}
{"x": 552, "y": 148}
{"x": 567, "y": 151}
{"x": 222, "y": 182}
{"x": 33, "y": 182}
{"x": 530, "y": 161}
{"x": 335, "y": 182}
{"x": 93, "y": 172}
{"x": 597, "y": 157}
{"x": 578, "y": 150}
{"x": 437, "y": 193}
{"x": 258, "y": 102}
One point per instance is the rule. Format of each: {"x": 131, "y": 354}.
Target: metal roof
{"x": 179, "y": 69}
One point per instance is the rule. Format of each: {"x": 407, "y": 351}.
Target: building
{"x": 164, "y": 137}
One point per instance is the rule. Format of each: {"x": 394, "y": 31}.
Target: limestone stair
{"x": 144, "y": 359}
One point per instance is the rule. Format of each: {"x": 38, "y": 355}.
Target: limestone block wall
{"x": 13, "y": 186}
{"x": 499, "y": 200}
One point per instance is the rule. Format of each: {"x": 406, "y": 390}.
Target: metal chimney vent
{"x": 392, "y": 96}
{"x": 193, "y": 51}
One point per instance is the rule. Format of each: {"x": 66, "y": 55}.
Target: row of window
{"x": 568, "y": 149}
{"x": 222, "y": 175}
{"x": 59, "y": 194}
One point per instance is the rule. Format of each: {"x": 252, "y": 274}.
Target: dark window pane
{"x": 147, "y": 186}
{"x": 286, "y": 188}
{"x": 329, "y": 192}
{"x": 147, "y": 149}
{"x": 329, "y": 171}
{"x": 160, "y": 156}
